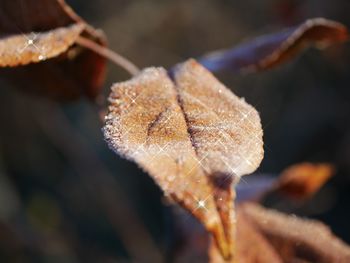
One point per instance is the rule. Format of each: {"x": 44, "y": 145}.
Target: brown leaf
{"x": 267, "y": 236}
{"x": 296, "y": 239}
{"x": 42, "y": 34}
{"x": 24, "y": 49}
{"x": 272, "y": 50}
{"x": 252, "y": 246}
{"x": 248, "y": 237}
{"x": 192, "y": 135}
{"x": 303, "y": 180}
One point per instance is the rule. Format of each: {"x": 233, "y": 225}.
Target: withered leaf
{"x": 296, "y": 239}
{"x": 268, "y": 236}
{"x": 302, "y": 180}
{"x": 247, "y": 238}
{"x": 42, "y": 35}
{"x": 252, "y": 246}
{"x": 299, "y": 181}
{"x": 23, "y": 49}
{"x": 192, "y": 135}
{"x": 271, "y": 50}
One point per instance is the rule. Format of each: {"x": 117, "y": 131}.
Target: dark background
{"x": 65, "y": 197}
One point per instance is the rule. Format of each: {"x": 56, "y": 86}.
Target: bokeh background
{"x": 65, "y": 197}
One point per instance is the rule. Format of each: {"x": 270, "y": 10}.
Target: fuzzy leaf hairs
{"x": 193, "y": 136}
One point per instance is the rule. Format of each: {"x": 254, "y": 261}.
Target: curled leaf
{"x": 271, "y": 50}
{"x": 43, "y": 35}
{"x": 296, "y": 239}
{"x": 252, "y": 246}
{"x": 24, "y": 49}
{"x": 267, "y": 236}
{"x": 299, "y": 182}
{"x": 247, "y": 238}
{"x": 302, "y": 180}
{"x": 192, "y": 135}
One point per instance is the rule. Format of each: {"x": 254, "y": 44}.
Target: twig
{"x": 109, "y": 54}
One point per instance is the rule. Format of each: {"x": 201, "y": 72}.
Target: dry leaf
{"x": 252, "y": 246}
{"x": 271, "y": 50}
{"x": 268, "y": 236}
{"x": 192, "y": 135}
{"x": 24, "y": 49}
{"x": 296, "y": 239}
{"x": 44, "y": 32}
{"x": 298, "y": 182}
{"x": 303, "y": 180}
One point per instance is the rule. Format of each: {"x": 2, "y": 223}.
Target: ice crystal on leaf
{"x": 192, "y": 135}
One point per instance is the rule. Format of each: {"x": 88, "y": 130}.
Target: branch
{"x": 109, "y": 54}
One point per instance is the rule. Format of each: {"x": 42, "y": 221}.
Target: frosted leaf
{"x": 28, "y": 48}
{"x": 48, "y": 44}
{"x": 192, "y": 135}
{"x": 296, "y": 239}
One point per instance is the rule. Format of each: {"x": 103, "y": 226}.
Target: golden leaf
{"x": 302, "y": 180}
{"x": 192, "y": 135}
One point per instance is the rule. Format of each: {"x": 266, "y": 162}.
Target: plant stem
{"x": 109, "y": 54}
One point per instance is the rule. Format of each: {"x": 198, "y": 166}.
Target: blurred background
{"x": 65, "y": 197}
